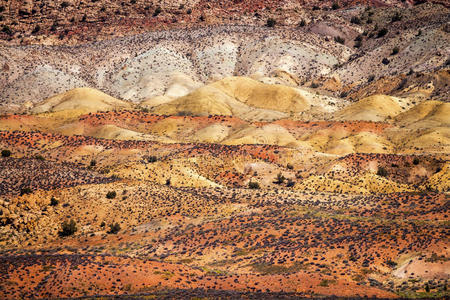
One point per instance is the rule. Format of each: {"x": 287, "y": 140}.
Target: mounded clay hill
{"x": 224, "y": 149}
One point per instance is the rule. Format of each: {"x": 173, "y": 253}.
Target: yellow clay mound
{"x": 269, "y": 134}
{"x": 440, "y": 181}
{"x": 267, "y": 96}
{"x": 211, "y": 134}
{"x": 321, "y": 138}
{"x": 374, "y": 108}
{"x": 236, "y": 96}
{"x": 204, "y": 101}
{"x": 378, "y": 184}
{"x": 341, "y": 142}
{"x": 426, "y": 114}
{"x": 427, "y": 140}
{"x": 170, "y": 127}
{"x": 363, "y": 142}
{"x": 116, "y": 133}
{"x": 80, "y": 100}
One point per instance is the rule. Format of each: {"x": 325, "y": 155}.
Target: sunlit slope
{"x": 373, "y": 108}
{"x": 238, "y": 96}
{"x": 81, "y": 100}
{"x": 426, "y": 114}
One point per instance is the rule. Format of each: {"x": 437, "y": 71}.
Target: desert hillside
{"x": 351, "y": 52}
{"x": 224, "y": 149}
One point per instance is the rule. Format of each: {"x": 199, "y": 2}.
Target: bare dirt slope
{"x": 346, "y": 52}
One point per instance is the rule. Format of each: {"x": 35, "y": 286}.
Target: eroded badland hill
{"x": 224, "y": 149}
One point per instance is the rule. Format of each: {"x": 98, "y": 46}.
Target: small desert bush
{"x": 114, "y": 228}
{"x": 6, "y": 153}
{"x": 68, "y": 228}
{"x": 111, "y": 195}
{"x": 271, "y": 22}
{"x": 382, "y": 172}
{"x": 253, "y": 185}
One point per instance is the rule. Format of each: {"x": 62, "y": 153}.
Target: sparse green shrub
{"x": 280, "y": 179}
{"x": 385, "y": 61}
{"x": 382, "y": 172}
{"x": 6, "y": 29}
{"x": 64, "y": 4}
{"x": 54, "y": 27}
{"x": 355, "y": 20}
{"x": 114, "y": 228}
{"x": 184, "y": 113}
{"x": 371, "y": 78}
{"x": 335, "y": 6}
{"x": 395, "y": 50}
{"x": 39, "y": 157}
{"x": 6, "y": 153}
{"x": 271, "y": 22}
{"x": 272, "y": 269}
{"x": 36, "y": 29}
{"x": 93, "y": 163}
{"x": 53, "y": 201}
{"x": 302, "y": 23}
{"x": 68, "y": 228}
{"x": 396, "y": 17}
{"x": 314, "y": 85}
{"x": 436, "y": 258}
{"x": 290, "y": 183}
{"x": 339, "y": 40}
{"x": 416, "y": 161}
{"x": 152, "y": 159}
{"x": 111, "y": 195}
{"x": 382, "y": 32}
{"x": 25, "y": 191}
{"x": 391, "y": 263}
{"x": 253, "y": 185}
{"x": 327, "y": 282}
{"x": 157, "y": 11}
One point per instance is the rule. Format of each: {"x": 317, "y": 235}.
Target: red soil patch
{"x": 76, "y": 276}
